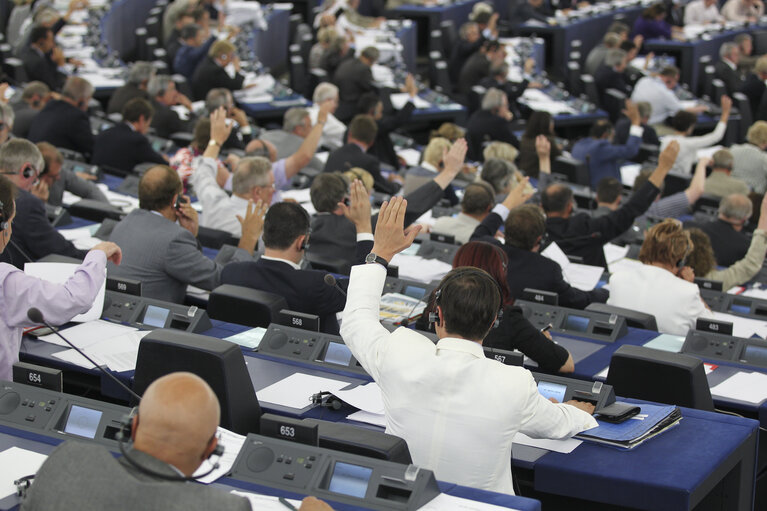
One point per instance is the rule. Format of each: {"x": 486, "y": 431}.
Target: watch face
{"x": 370, "y": 258}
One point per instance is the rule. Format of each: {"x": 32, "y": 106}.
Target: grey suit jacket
{"x": 78, "y": 186}
{"x": 86, "y": 477}
{"x": 164, "y": 256}
{"x": 287, "y": 144}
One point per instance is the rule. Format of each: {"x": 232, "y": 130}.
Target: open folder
{"x": 652, "y": 420}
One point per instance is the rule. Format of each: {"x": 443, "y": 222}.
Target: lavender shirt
{"x": 58, "y": 302}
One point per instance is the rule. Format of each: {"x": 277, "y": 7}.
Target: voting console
{"x": 715, "y": 346}
{"x": 582, "y": 323}
{"x": 146, "y": 313}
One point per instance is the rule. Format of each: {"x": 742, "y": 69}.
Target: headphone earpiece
{"x": 28, "y": 172}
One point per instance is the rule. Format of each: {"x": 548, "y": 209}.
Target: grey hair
{"x": 498, "y": 173}
{"x": 645, "y": 109}
{"x": 7, "y": 113}
{"x": 614, "y": 57}
{"x": 250, "y": 172}
{"x": 324, "y": 91}
{"x": 736, "y": 207}
{"x": 77, "y": 88}
{"x": 158, "y": 85}
{"x": 217, "y": 98}
{"x": 722, "y": 159}
{"x": 493, "y": 99}
{"x": 140, "y": 72}
{"x": 18, "y": 152}
{"x": 294, "y": 118}
{"x": 727, "y": 48}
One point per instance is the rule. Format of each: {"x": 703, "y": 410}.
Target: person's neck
{"x": 726, "y": 172}
{"x": 735, "y": 224}
{"x": 288, "y": 254}
{"x": 443, "y": 334}
{"x": 664, "y": 266}
{"x": 356, "y": 142}
{"x": 612, "y": 206}
{"x": 168, "y": 212}
{"x": 476, "y": 216}
{"x": 186, "y": 467}
{"x": 557, "y": 214}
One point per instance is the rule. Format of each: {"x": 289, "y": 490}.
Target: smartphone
{"x": 178, "y": 203}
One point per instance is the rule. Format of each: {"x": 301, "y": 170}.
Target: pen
{"x": 287, "y": 504}
{"x": 547, "y": 328}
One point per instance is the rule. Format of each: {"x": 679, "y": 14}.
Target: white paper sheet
{"x": 743, "y": 327}
{"x": 743, "y": 386}
{"x": 708, "y": 152}
{"x": 249, "y": 338}
{"x": 580, "y": 276}
{"x": 89, "y": 333}
{"x": 565, "y": 446}
{"x": 614, "y": 253}
{"x": 296, "y": 390}
{"x": 444, "y": 502}
{"x": 232, "y": 443}
{"x": 755, "y": 293}
{"x": 417, "y": 268}
{"x": 365, "y": 397}
{"x": 629, "y": 173}
{"x": 14, "y": 464}
{"x": 556, "y": 254}
{"x": 377, "y": 419}
{"x": 411, "y": 156}
{"x": 117, "y": 353}
{"x": 400, "y": 99}
{"x": 300, "y": 196}
{"x": 266, "y": 502}
{"x": 59, "y": 273}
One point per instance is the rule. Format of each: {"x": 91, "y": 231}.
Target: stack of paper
{"x": 743, "y": 386}
{"x": 365, "y": 397}
{"x": 743, "y": 327}
{"x": 580, "y": 276}
{"x": 415, "y": 267}
{"x": 59, "y": 273}
{"x": 16, "y": 463}
{"x": 396, "y": 308}
{"x": 651, "y": 420}
{"x": 296, "y": 390}
{"x": 249, "y": 338}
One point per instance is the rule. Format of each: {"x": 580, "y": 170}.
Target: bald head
{"x": 735, "y": 209}
{"x": 177, "y": 421}
{"x": 557, "y": 199}
{"x": 158, "y": 188}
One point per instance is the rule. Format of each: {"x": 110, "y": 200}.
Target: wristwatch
{"x": 372, "y": 258}
{"x": 212, "y": 142}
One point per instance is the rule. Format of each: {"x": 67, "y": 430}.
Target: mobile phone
{"x": 178, "y": 202}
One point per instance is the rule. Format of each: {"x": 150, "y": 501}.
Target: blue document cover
{"x": 651, "y": 420}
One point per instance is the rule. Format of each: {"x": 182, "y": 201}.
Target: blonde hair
{"x": 666, "y": 243}
{"x": 757, "y": 133}
{"x": 433, "y": 152}
{"x": 220, "y": 48}
{"x": 500, "y": 150}
{"x": 361, "y": 174}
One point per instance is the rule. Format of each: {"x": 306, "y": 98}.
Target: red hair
{"x": 488, "y": 257}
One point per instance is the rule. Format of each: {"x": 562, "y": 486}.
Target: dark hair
{"x": 201, "y": 135}
{"x": 654, "y": 11}
{"x": 328, "y": 189}
{"x": 39, "y": 33}
{"x": 157, "y": 193}
{"x": 482, "y": 17}
{"x": 608, "y": 190}
{"x": 618, "y": 27}
{"x": 488, "y": 257}
{"x": 627, "y": 45}
{"x": 363, "y": 128}
{"x": 491, "y": 45}
{"x": 524, "y": 225}
{"x": 701, "y": 259}
{"x": 7, "y": 196}
{"x": 470, "y": 300}
{"x": 189, "y": 31}
{"x": 555, "y": 198}
{"x": 682, "y": 120}
{"x": 539, "y": 123}
{"x": 600, "y": 128}
{"x": 477, "y": 199}
{"x": 670, "y": 72}
{"x": 283, "y": 224}
{"x": 136, "y": 108}
{"x": 367, "y": 103}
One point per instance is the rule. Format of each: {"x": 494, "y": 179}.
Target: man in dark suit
{"x": 727, "y": 68}
{"x": 165, "y": 121}
{"x": 125, "y": 145}
{"x": 729, "y": 242}
{"x": 754, "y": 87}
{"x": 135, "y": 87}
{"x": 492, "y": 122}
{"x": 211, "y": 72}
{"x": 334, "y": 236}
{"x": 64, "y": 122}
{"x": 195, "y": 43}
{"x": 611, "y": 75}
{"x": 173, "y": 432}
{"x": 42, "y": 58}
{"x": 524, "y": 229}
{"x": 477, "y": 67}
{"x": 383, "y": 148}
{"x": 499, "y": 79}
{"x": 362, "y": 134}
{"x": 623, "y": 126}
{"x": 469, "y": 42}
{"x": 33, "y": 99}
{"x": 33, "y": 235}
{"x": 582, "y": 235}
{"x": 354, "y": 78}
{"x": 286, "y": 235}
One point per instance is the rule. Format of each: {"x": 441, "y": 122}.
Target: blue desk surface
{"x": 10, "y": 437}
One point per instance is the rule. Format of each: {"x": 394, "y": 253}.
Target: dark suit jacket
{"x": 604, "y": 228}
{"x": 730, "y": 246}
{"x": 353, "y": 79}
{"x": 40, "y": 67}
{"x": 473, "y": 71}
{"x": 123, "y": 148}
{"x": 383, "y": 148}
{"x": 733, "y": 80}
{"x": 34, "y": 235}
{"x": 525, "y": 12}
{"x": 608, "y": 78}
{"x": 124, "y": 94}
{"x": 351, "y": 155}
{"x": 754, "y": 89}
{"x": 210, "y": 75}
{"x": 622, "y": 127}
{"x": 63, "y": 125}
{"x": 166, "y": 121}
{"x": 513, "y": 91}
{"x": 485, "y": 126}
{"x": 334, "y": 236}
{"x": 304, "y": 290}
{"x": 532, "y": 270}
{"x": 23, "y": 115}
{"x": 460, "y": 54}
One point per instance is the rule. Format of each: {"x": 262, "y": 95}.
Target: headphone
{"x": 305, "y": 242}
{"x": 27, "y": 172}
{"x": 458, "y": 274}
{"x": 683, "y": 261}
{"x": 125, "y": 431}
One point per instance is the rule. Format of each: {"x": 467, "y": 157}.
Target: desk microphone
{"x": 330, "y": 280}
{"x": 36, "y": 316}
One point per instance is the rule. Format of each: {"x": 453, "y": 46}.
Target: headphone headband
{"x": 459, "y": 273}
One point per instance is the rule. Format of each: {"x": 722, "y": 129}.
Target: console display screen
{"x": 338, "y": 353}
{"x": 348, "y": 479}
{"x": 549, "y": 389}
{"x": 82, "y": 421}
{"x": 155, "y": 316}
{"x": 576, "y": 323}
{"x": 740, "y": 307}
